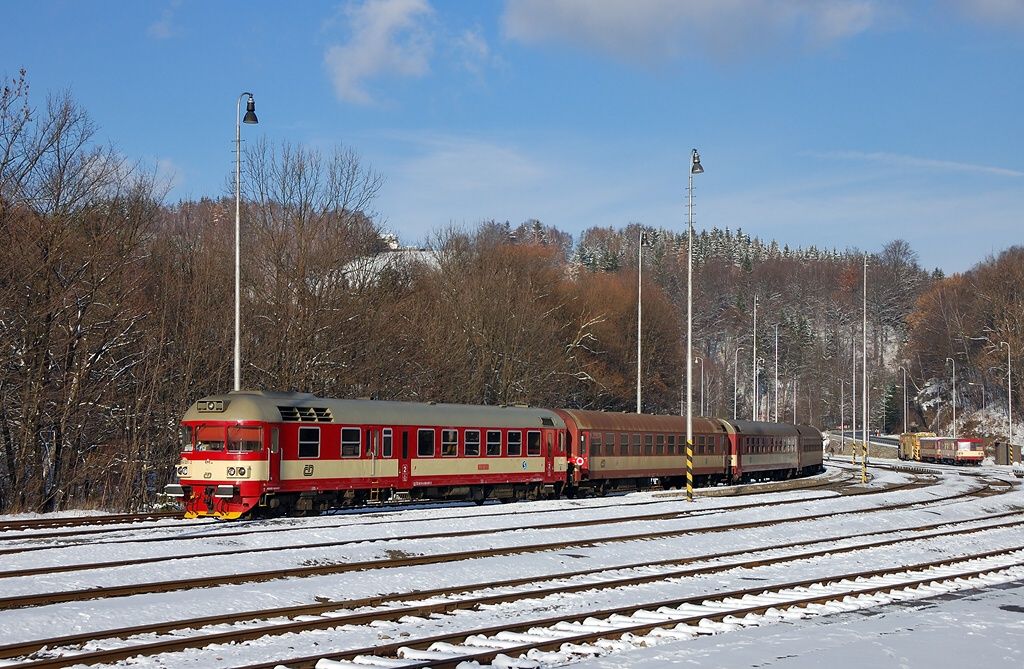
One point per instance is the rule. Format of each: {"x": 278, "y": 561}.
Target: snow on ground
{"x": 888, "y": 633}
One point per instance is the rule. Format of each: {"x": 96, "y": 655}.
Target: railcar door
{"x": 403, "y": 460}
{"x": 274, "y": 459}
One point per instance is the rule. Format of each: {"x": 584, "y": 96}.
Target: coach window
{"x": 533, "y": 443}
{"x": 385, "y": 446}
{"x": 350, "y": 442}
{"x": 515, "y": 443}
{"x": 244, "y": 439}
{"x": 596, "y": 443}
{"x": 648, "y": 444}
{"x": 449, "y": 443}
{"x": 635, "y": 447}
{"x": 659, "y": 445}
{"x": 425, "y": 444}
{"x": 493, "y": 443}
{"x": 671, "y": 448}
{"x": 309, "y": 442}
{"x": 472, "y": 443}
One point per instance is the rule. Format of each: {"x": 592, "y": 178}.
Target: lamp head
{"x": 250, "y": 111}
{"x": 695, "y": 167}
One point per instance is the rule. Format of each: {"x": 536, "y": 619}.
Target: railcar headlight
{"x": 241, "y": 471}
{"x": 231, "y": 471}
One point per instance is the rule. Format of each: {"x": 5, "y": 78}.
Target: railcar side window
{"x": 515, "y": 443}
{"x": 385, "y": 451}
{"x": 449, "y": 443}
{"x": 210, "y": 438}
{"x": 659, "y": 444}
{"x": 671, "y": 448}
{"x": 596, "y": 443}
{"x": 309, "y": 442}
{"x": 635, "y": 449}
{"x": 185, "y": 435}
{"x": 493, "y": 443}
{"x": 244, "y": 439}
{"x": 350, "y": 442}
{"x": 648, "y": 444}
{"x": 472, "y": 443}
{"x": 425, "y": 444}
{"x": 533, "y": 443}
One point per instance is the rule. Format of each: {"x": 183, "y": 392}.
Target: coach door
{"x": 403, "y": 458}
{"x": 274, "y": 459}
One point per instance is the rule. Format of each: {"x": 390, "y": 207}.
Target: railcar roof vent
{"x": 306, "y": 414}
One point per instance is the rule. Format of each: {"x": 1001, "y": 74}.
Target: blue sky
{"x": 842, "y": 123}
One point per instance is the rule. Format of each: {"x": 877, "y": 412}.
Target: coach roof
{"x": 274, "y": 407}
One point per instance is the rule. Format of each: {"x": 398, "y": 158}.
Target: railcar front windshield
{"x": 210, "y": 438}
{"x": 185, "y": 438}
{"x": 244, "y": 439}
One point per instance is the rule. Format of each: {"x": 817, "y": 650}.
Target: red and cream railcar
{"x": 764, "y": 450}
{"x": 622, "y": 450}
{"x": 264, "y": 453}
{"x": 951, "y": 450}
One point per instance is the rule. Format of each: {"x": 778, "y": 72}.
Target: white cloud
{"x": 1004, "y": 13}
{"x": 918, "y": 162}
{"x": 655, "y": 30}
{"x": 164, "y": 28}
{"x": 472, "y": 50}
{"x": 388, "y": 37}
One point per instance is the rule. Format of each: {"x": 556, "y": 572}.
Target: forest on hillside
{"x": 116, "y": 311}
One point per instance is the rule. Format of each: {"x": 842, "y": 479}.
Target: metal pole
{"x": 794, "y": 402}
{"x": 777, "y": 375}
{"x": 639, "y": 313}
{"x": 904, "y": 399}
{"x": 735, "y": 378}
{"x": 853, "y": 398}
{"x": 1009, "y": 400}
{"x": 695, "y": 167}
{"x": 842, "y": 417}
{"x": 954, "y": 394}
{"x": 864, "y": 380}
{"x": 238, "y": 226}
{"x": 701, "y": 383}
{"x": 753, "y": 409}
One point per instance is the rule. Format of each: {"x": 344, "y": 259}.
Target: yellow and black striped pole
{"x": 689, "y": 468}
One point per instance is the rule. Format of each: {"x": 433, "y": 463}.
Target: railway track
{"x": 264, "y": 526}
{"x": 395, "y": 608}
{"x": 576, "y": 523}
{"x": 40, "y": 599}
{"x": 80, "y": 521}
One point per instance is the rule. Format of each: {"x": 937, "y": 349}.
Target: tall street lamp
{"x": 904, "y": 398}
{"x": 250, "y": 117}
{"x": 701, "y": 383}
{"x": 864, "y": 380}
{"x": 777, "y": 375}
{"x": 639, "y": 310}
{"x": 1009, "y": 400}
{"x": 695, "y": 168}
{"x": 842, "y": 417}
{"x": 753, "y": 360}
{"x": 954, "y": 394}
{"x": 735, "y": 378}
